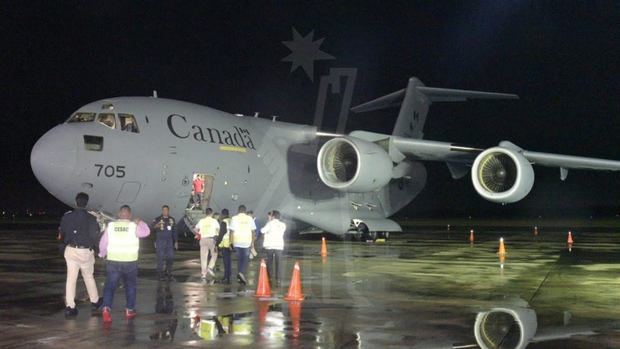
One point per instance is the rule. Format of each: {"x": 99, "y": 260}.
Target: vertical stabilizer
{"x": 413, "y": 111}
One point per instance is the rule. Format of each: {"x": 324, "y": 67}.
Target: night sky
{"x": 562, "y": 58}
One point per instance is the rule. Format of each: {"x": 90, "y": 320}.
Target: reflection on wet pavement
{"x": 422, "y": 290}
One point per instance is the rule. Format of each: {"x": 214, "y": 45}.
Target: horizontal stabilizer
{"x": 434, "y": 94}
{"x": 388, "y": 101}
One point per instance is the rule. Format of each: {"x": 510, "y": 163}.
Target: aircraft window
{"x": 106, "y": 119}
{"x": 81, "y": 117}
{"x": 93, "y": 143}
{"x": 128, "y": 123}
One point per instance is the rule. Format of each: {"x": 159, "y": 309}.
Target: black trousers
{"x": 274, "y": 263}
{"x": 165, "y": 254}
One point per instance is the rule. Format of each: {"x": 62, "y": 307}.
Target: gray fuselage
{"x": 257, "y": 162}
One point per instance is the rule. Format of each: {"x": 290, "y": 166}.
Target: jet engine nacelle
{"x": 354, "y": 165}
{"x": 512, "y": 327}
{"x": 502, "y": 175}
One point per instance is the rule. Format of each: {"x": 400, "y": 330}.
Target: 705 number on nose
{"x": 110, "y": 171}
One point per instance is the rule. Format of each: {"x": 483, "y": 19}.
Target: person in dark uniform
{"x": 223, "y": 242}
{"x": 166, "y": 242}
{"x": 80, "y": 232}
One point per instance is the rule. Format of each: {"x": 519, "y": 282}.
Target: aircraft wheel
{"x": 365, "y": 234}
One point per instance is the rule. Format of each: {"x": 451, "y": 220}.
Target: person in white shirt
{"x": 242, "y": 229}
{"x": 207, "y": 231}
{"x": 273, "y": 244}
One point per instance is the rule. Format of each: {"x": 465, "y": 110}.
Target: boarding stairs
{"x": 192, "y": 217}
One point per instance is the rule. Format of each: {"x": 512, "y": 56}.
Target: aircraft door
{"x": 208, "y": 189}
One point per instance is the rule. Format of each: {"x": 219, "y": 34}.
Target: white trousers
{"x": 80, "y": 259}
{"x": 208, "y": 254}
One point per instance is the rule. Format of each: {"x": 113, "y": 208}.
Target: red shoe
{"x": 130, "y": 314}
{"x": 107, "y": 317}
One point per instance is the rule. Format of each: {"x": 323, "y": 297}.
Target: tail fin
{"x": 414, "y": 102}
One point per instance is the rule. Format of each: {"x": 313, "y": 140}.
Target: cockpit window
{"x": 93, "y": 143}
{"x": 81, "y": 117}
{"x": 106, "y": 119}
{"x": 128, "y": 123}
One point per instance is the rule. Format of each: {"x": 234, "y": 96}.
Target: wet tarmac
{"x": 427, "y": 289}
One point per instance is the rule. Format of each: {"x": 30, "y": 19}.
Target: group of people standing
{"x": 119, "y": 244}
{"x": 238, "y": 233}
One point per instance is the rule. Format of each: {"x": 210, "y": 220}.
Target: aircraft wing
{"x": 366, "y": 161}
{"x": 400, "y": 148}
{"x": 571, "y": 162}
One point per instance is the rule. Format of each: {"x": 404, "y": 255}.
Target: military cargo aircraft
{"x": 146, "y": 151}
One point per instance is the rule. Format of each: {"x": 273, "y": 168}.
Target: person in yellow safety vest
{"x": 273, "y": 243}
{"x": 121, "y": 243}
{"x": 207, "y": 229}
{"x": 242, "y": 230}
{"x": 225, "y": 245}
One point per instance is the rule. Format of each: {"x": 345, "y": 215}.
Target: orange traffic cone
{"x": 323, "y": 247}
{"x": 294, "y": 290}
{"x": 263, "y": 289}
{"x": 471, "y": 235}
{"x": 502, "y": 249}
{"x": 570, "y": 238}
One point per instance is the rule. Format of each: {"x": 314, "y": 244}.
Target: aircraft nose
{"x": 53, "y": 159}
